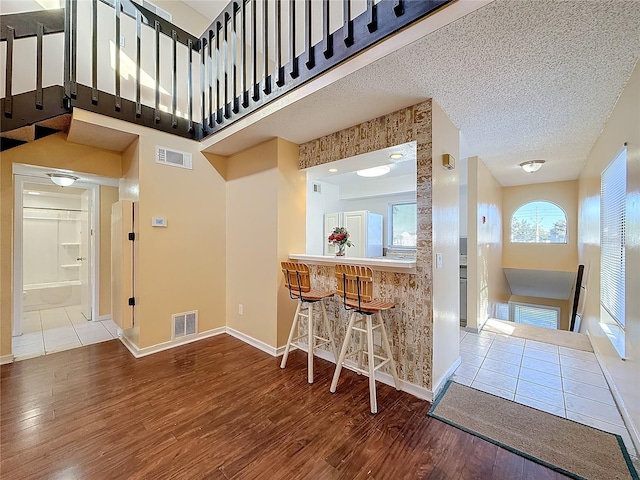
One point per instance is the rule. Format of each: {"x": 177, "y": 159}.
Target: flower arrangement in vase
{"x": 340, "y": 239}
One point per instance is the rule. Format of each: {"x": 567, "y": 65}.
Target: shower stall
{"x": 52, "y": 248}
{"x": 52, "y": 219}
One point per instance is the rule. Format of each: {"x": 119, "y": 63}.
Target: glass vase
{"x": 340, "y": 250}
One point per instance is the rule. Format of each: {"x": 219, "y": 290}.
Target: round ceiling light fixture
{"x": 396, "y": 156}
{"x": 532, "y": 165}
{"x": 333, "y": 170}
{"x": 374, "y": 172}
{"x": 62, "y": 179}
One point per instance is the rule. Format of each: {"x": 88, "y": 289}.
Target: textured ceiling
{"x": 522, "y": 80}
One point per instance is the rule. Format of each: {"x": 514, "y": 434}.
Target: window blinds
{"x": 613, "y": 194}
{"x": 538, "y": 316}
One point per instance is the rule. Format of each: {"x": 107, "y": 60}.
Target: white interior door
{"x": 85, "y": 254}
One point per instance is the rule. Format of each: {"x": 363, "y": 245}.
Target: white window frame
{"x": 390, "y": 244}
{"x": 513, "y": 305}
{"x": 612, "y": 317}
{"x": 566, "y": 219}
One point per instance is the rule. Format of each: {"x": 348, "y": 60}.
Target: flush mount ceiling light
{"x": 396, "y": 156}
{"x": 532, "y": 165}
{"x": 333, "y": 170}
{"x": 62, "y": 179}
{"x": 374, "y": 172}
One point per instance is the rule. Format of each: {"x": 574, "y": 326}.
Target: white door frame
{"x": 18, "y": 285}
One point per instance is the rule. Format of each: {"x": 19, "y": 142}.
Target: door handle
{"x": 79, "y": 259}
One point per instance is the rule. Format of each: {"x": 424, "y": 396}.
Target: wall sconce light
{"x": 532, "y": 165}
{"x": 62, "y": 179}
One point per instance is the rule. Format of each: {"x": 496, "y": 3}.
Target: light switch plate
{"x": 438, "y": 260}
{"x": 158, "y": 222}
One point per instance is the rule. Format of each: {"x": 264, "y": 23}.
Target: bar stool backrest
{"x": 355, "y": 282}
{"x": 296, "y": 277}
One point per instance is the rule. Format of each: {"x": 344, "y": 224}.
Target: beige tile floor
{"x": 558, "y": 380}
{"x": 58, "y": 329}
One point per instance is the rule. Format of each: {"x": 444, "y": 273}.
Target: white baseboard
{"x": 260, "y": 345}
{"x": 102, "y": 318}
{"x": 5, "y": 359}
{"x": 439, "y": 384}
{"x": 632, "y": 428}
{"x": 386, "y": 378}
{"x": 142, "y": 352}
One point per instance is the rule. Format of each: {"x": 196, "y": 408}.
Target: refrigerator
{"x": 365, "y": 232}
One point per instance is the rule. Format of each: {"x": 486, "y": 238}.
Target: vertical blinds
{"x": 613, "y": 194}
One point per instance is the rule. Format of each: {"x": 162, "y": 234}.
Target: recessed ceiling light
{"x": 374, "y": 172}
{"x": 532, "y": 165}
{"x": 396, "y": 156}
{"x": 33, "y": 193}
{"x": 333, "y": 170}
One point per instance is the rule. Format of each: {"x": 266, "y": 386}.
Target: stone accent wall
{"x": 410, "y": 323}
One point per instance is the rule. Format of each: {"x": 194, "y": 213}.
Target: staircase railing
{"x": 125, "y": 61}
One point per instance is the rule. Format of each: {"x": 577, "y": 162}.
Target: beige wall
{"x": 52, "y": 151}
{"x": 486, "y": 282}
{"x": 446, "y": 238}
{"x": 622, "y": 126}
{"x": 108, "y": 196}
{"x": 547, "y": 256}
{"x": 252, "y": 237}
{"x": 181, "y": 267}
{"x": 292, "y": 199}
{"x": 265, "y": 223}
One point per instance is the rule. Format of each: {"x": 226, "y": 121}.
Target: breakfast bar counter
{"x": 398, "y": 265}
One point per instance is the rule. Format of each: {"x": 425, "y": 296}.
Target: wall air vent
{"x": 157, "y": 10}
{"x": 173, "y": 157}
{"x": 184, "y": 324}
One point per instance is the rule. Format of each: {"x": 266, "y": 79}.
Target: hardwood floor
{"x": 220, "y": 409}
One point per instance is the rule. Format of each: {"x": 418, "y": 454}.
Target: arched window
{"x": 539, "y": 222}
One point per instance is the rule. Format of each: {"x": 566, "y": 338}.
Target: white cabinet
{"x": 365, "y": 232}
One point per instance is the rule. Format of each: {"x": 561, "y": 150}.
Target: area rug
{"x": 563, "y": 445}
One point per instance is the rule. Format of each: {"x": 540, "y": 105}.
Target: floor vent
{"x": 184, "y": 324}
{"x": 174, "y": 158}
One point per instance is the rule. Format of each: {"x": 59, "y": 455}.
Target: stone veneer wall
{"x": 410, "y": 323}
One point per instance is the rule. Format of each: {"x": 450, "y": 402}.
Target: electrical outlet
{"x": 240, "y": 309}
{"x": 438, "y": 260}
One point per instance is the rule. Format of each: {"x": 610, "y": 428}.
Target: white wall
{"x": 328, "y": 201}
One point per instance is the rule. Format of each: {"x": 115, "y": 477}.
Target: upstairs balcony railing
{"x": 118, "y": 58}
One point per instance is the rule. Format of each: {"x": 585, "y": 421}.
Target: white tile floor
{"x": 559, "y": 380}
{"x": 57, "y": 329}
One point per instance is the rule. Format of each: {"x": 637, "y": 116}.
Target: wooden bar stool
{"x": 298, "y": 281}
{"x": 355, "y": 286}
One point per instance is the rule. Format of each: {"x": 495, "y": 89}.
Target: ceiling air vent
{"x": 184, "y": 324}
{"x": 174, "y": 158}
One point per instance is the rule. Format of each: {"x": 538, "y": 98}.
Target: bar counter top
{"x": 398, "y": 265}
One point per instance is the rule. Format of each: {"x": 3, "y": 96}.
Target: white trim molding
{"x": 632, "y": 428}
{"x": 143, "y": 352}
{"x": 6, "y": 359}
{"x": 440, "y": 383}
{"x": 386, "y": 378}
{"x": 260, "y": 345}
